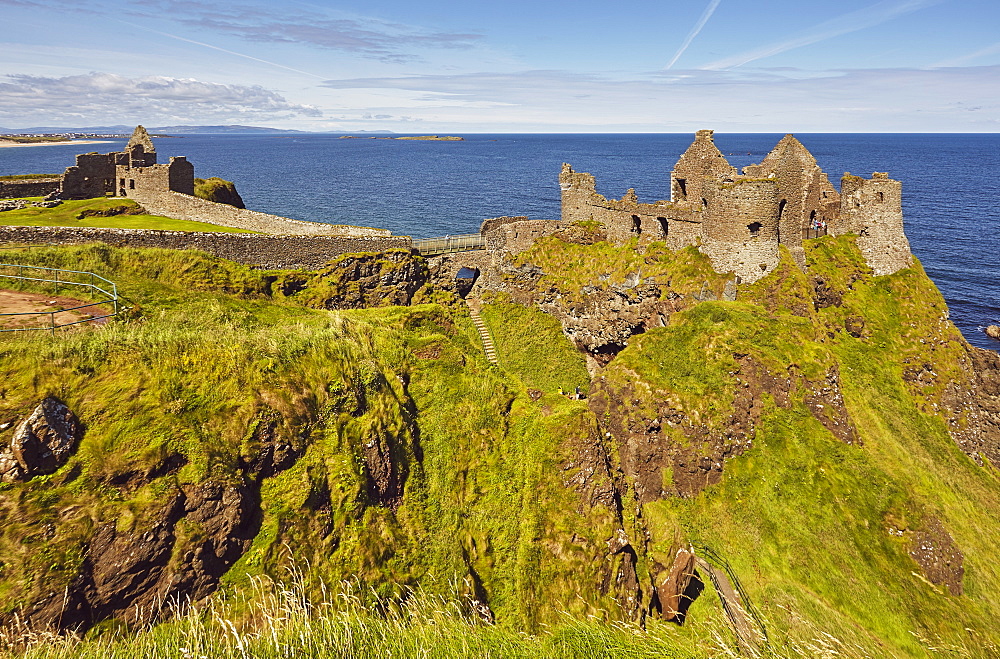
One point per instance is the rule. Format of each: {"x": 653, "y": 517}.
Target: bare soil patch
{"x": 42, "y": 308}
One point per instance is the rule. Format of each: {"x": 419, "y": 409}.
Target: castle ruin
{"x": 122, "y": 173}
{"x": 740, "y": 220}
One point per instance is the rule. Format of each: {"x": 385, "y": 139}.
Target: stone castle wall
{"x": 186, "y": 207}
{"x": 741, "y": 228}
{"x": 873, "y": 209}
{"x": 519, "y": 236}
{"x": 34, "y": 187}
{"x": 256, "y": 250}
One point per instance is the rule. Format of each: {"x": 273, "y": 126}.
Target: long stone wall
{"x": 185, "y": 207}
{"x": 33, "y": 187}
{"x": 257, "y": 250}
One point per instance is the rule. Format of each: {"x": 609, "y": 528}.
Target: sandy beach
{"x": 4, "y": 143}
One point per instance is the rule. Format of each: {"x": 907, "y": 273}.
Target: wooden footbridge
{"x": 449, "y": 244}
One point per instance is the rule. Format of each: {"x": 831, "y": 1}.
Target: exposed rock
{"x": 973, "y": 405}
{"x": 939, "y": 558}
{"x": 130, "y": 574}
{"x": 218, "y": 190}
{"x": 384, "y": 473}
{"x": 359, "y": 281}
{"x": 41, "y": 443}
{"x": 993, "y": 331}
{"x": 679, "y": 586}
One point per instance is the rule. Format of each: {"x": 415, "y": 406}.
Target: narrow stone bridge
{"x": 449, "y": 244}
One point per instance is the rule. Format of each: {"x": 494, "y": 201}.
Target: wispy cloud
{"x": 97, "y": 97}
{"x": 860, "y": 19}
{"x": 224, "y": 50}
{"x": 970, "y": 57}
{"x": 364, "y": 36}
{"x": 707, "y": 14}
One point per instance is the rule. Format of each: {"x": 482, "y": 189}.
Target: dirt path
{"x": 42, "y": 306}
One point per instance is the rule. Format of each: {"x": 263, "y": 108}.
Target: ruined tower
{"x": 740, "y": 232}
{"x": 873, "y": 209}
{"x": 701, "y": 162}
{"x": 807, "y": 196}
{"x": 139, "y": 152}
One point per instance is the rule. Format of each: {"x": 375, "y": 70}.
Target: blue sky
{"x": 513, "y": 66}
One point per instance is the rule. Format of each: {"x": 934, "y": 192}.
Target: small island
{"x": 432, "y": 138}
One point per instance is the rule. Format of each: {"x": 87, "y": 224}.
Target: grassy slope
{"x": 802, "y": 517}
{"x": 65, "y": 214}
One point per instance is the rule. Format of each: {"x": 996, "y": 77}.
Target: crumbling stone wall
{"x": 257, "y": 250}
{"x": 93, "y": 176}
{"x": 519, "y": 236}
{"x": 742, "y": 227}
{"x": 873, "y": 209}
{"x": 626, "y": 218}
{"x": 34, "y": 187}
{"x": 494, "y": 222}
{"x": 701, "y": 163}
{"x": 186, "y": 207}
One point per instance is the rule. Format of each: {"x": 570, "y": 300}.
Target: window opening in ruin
{"x": 781, "y": 209}
{"x": 881, "y": 197}
{"x": 636, "y": 225}
{"x": 754, "y": 228}
{"x": 704, "y": 203}
{"x": 131, "y": 184}
{"x": 664, "y": 225}
{"x": 122, "y": 183}
{"x": 682, "y": 186}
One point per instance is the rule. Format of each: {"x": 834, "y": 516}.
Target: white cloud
{"x": 879, "y": 100}
{"x": 105, "y": 97}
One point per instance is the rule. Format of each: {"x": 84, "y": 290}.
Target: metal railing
{"x": 813, "y": 232}
{"x": 448, "y": 244}
{"x": 59, "y": 278}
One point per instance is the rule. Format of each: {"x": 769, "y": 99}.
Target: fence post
{"x": 52, "y": 322}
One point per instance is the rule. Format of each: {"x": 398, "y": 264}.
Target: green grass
{"x": 21, "y": 177}
{"x": 531, "y": 345}
{"x": 65, "y": 214}
{"x": 501, "y": 491}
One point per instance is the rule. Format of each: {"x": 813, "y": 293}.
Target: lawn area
{"x": 65, "y": 215}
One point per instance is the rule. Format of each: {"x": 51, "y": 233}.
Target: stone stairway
{"x": 484, "y": 334}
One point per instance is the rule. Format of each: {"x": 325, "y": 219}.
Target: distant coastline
{"x": 11, "y": 143}
{"x": 431, "y": 138}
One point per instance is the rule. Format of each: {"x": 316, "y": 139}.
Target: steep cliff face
{"x": 828, "y": 435}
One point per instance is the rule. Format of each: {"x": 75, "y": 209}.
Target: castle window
{"x": 131, "y": 184}
{"x": 122, "y": 183}
{"x": 881, "y": 197}
{"x": 664, "y": 226}
{"x": 754, "y": 229}
{"x": 636, "y": 225}
{"x": 781, "y": 208}
{"x": 704, "y": 203}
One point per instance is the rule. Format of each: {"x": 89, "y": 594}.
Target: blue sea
{"x": 425, "y": 189}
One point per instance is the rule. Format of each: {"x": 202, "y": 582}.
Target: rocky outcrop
{"x": 940, "y": 559}
{"x": 136, "y": 575}
{"x": 218, "y": 190}
{"x": 678, "y": 586}
{"x": 972, "y": 405}
{"x": 41, "y": 443}
{"x": 360, "y": 281}
{"x": 992, "y": 331}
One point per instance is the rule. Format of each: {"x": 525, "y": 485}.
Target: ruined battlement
{"x": 739, "y": 220}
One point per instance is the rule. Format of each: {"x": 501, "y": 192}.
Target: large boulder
{"x": 41, "y": 443}
{"x": 993, "y": 331}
